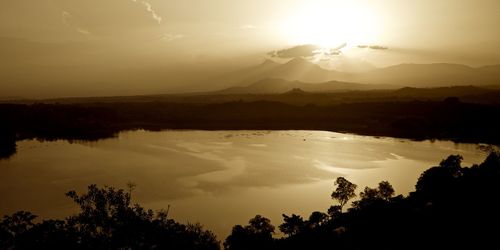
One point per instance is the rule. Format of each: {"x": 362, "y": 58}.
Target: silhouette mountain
{"x": 295, "y": 92}
{"x": 427, "y": 75}
{"x": 303, "y": 70}
{"x": 273, "y": 86}
{"x": 403, "y": 75}
{"x": 250, "y": 74}
{"x": 297, "y": 69}
{"x": 457, "y": 91}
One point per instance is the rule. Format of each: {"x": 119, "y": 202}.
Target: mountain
{"x": 402, "y": 75}
{"x": 456, "y": 91}
{"x": 249, "y": 74}
{"x": 432, "y": 75}
{"x": 274, "y": 86}
{"x": 297, "y": 69}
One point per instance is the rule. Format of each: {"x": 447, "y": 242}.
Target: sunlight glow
{"x": 330, "y": 23}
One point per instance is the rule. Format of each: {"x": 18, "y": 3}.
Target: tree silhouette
{"x": 257, "y": 235}
{"x": 434, "y": 216}
{"x": 453, "y": 161}
{"x": 316, "y": 219}
{"x": 438, "y": 182}
{"x": 7, "y": 141}
{"x": 106, "y": 220}
{"x": 292, "y": 224}
{"x": 261, "y": 225}
{"x": 369, "y": 196}
{"x": 334, "y": 211}
{"x": 344, "y": 192}
{"x": 12, "y": 228}
{"x": 385, "y": 189}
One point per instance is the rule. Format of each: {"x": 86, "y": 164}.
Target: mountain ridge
{"x": 276, "y": 86}
{"x": 402, "y": 75}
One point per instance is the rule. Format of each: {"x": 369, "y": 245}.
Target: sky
{"x": 106, "y": 47}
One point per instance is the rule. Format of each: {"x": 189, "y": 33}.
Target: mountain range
{"x": 275, "y": 86}
{"x": 297, "y": 72}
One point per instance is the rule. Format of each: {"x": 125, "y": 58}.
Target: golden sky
{"x": 47, "y": 39}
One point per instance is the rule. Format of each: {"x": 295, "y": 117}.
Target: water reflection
{"x": 218, "y": 178}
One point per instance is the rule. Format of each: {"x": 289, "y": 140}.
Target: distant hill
{"x": 432, "y": 75}
{"x": 250, "y": 74}
{"x": 274, "y": 86}
{"x": 303, "y": 70}
{"x": 296, "y": 69}
{"x": 299, "y": 96}
{"x": 456, "y": 91}
{"x": 403, "y": 75}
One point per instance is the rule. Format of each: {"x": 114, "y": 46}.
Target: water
{"x": 219, "y": 178}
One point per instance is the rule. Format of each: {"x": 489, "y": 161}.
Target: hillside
{"x": 273, "y": 86}
{"x": 402, "y": 75}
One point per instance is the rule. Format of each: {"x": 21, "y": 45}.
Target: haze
{"x": 55, "y": 48}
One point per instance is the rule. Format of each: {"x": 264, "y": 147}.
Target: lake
{"x": 217, "y": 178}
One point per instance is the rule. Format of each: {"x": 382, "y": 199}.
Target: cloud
{"x": 68, "y": 20}
{"x": 248, "y": 27}
{"x": 308, "y": 51}
{"x": 297, "y": 51}
{"x": 149, "y": 8}
{"x": 171, "y": 37}
{"x": 83, "y": 31}
{"x": 110, "y": 19}
{"x": 374, "y": 47}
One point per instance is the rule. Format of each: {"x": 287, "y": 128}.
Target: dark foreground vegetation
{"x": 453, "y": 207}
{"x": 107, "y": 220}
{"x": 431, "y": 119}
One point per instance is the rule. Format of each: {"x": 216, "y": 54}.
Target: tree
{"x": 13, "y": 227}
{"x": 256, "y": 235}
{"x": 492, "y": 162}
{"x": 438, "y": 182}
{"x": 385, "y": 189}
{"x": 334, "y": 211}
{"x": 344, "y": 192}
{"x": 7, "y": 141}
{"x": 292, "y": 224}
{"x": 261, "y": 225}
{"x": 317, "y": 219}
{"x": 369, "y": 194}
{"x": 453, "y": 161}
{"x": 106, "y": 220}
{"x": 383, "y": 193}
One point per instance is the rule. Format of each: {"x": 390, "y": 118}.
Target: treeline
{"x": 107, "y": 220}
{"x": 470, "y": 94}
{"x": 448, "y": 119}
{"x": 453, "y": 207}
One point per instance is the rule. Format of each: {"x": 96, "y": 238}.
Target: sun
{"x": 329, "y": 24}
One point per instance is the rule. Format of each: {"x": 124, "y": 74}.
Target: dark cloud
{"x": 374, "y": 47}
{"x": 307, "y": 51}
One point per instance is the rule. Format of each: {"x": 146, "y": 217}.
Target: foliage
{"x": 453, "y": 161}
{"x": 106, "y": 220}
{"x": 438, "y": 215}
{"x": 387, "y": 115}
{"x": 344, "y": 191}
{"x": 292, "y": 224}
{"x": 385, "y": 190}
{"x": 258, "y": 234}
{"x": 453, "y": 207}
